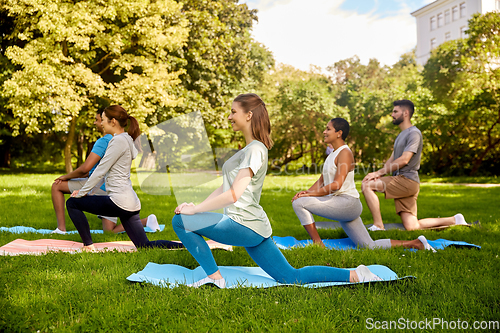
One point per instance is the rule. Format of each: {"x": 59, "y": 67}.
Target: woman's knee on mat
{"x": 71, "y": 203}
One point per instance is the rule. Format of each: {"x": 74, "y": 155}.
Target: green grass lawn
{"x": 89, "y": 291}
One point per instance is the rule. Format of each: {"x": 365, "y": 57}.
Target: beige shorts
{"x": 76, "y": 184}
{"x": 404, "y": 191}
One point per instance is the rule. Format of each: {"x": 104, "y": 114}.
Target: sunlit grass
{"x": 89, "y": 292}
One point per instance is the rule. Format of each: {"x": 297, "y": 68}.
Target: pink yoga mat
{"x": 42, "y": 246}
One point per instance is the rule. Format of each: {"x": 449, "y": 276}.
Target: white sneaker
{"x": 426, "y": 244}
{"x": 365, "y": 275}
{"x": 460, "y": 220}
{"x": 59, "y": 232}
{"x": 375, "y": 228}
{"x": 152, "y": 223}
{"x": 221, "y": 283}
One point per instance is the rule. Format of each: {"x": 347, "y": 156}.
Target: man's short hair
{"x": 405, "y": 104}
{"x": 100, "y": 111}
{"x": 341, "y": 124}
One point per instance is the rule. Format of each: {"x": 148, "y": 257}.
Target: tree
{"x": 365, "y": 92}
{"x": 303, "y": 104}
{"x": 464, "y": 76}
{"x": 218, "y": 61}
{"x": 6, "y": 70}
{"x": 483, "y": 60}
{"x": 79, "y": 56}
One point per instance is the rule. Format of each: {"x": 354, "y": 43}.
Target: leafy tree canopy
{"x": 464, "y": 77}
{"x": 156, "y": 58}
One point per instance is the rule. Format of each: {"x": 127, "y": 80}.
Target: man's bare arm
{"x": 390, "y": 166}
{"x": 82, "y": 170}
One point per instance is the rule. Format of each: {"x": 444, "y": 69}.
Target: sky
{"x": 321, "y": 32}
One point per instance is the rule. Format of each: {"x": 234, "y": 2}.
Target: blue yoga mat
{"x": 171, "y": 276}
{"x": 22, "y": 230}
{"x": 346, "y": 244}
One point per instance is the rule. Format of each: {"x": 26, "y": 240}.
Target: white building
{"x": 444, "y": 20}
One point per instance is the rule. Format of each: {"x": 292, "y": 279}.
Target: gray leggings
{"x": 343, "y": 208}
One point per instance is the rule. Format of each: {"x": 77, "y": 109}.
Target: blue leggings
{"x": 103, "y": 205}
{"x": 222, "y": 229}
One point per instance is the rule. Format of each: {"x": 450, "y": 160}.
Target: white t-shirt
{"x": 329, "y": 171}
{"x": 247, "y": 211}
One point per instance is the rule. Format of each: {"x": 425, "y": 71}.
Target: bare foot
{"x": 320, "y": 243}
{"x": 89, "y": 248}
{"x": 216, "y": 276}
{"x": 353, "y": 277}
{"x": 419, "y": 245}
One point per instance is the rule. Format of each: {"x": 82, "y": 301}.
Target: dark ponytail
{"x": 122, "y": 117}
{"x": 133, "y": 130}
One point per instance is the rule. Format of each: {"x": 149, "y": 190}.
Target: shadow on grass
{"x": 24, "y": 171}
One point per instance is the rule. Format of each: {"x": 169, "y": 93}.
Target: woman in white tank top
{"x": 334, "y": 195}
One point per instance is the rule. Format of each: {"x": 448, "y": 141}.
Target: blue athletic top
{"x": 99, "y": 148}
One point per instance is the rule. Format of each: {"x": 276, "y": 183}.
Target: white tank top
{"x": 329, "y": 171}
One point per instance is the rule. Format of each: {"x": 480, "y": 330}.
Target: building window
{"x": 447, "y": 36}
{"x": 462, "y": 9}
{"x": 498, "y": 4}
{"x": 447, "y": 16}
{"x": 433, "y": 23}
{"x": 463, "y": 33}
{"x": 433, "y": 43}
{"x": 440, "y": 20}
{"x": 454, "y": 11}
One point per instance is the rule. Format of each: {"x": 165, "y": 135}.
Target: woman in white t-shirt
{"x": 334, "y": 195}
{"x": 244, "y": 222}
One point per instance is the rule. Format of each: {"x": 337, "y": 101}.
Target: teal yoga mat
{"x": 171, "y": 276}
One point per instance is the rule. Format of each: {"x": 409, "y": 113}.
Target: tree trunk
{"x": 90, "y": 145}
{"x": 148, "y": 161}
{"x": 69, "y": 143}
{"x": 5, "y": 152}
{"x": 313, "y": 156}
{"x": 5, "y": 162}
{"x": 79, "y": 147}
{"x": 491, "y": 145}
{"x": 479, "y": 160}
{"x": 291, "y": 157}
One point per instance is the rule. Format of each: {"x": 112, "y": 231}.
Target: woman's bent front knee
{"x": 298, "y": 203}
{"x": 177, "y": 222}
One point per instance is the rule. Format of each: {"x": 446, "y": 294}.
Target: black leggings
{"x": 103, "y": 205}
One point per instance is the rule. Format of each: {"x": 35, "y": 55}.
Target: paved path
{"x": 465, "y": 184}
